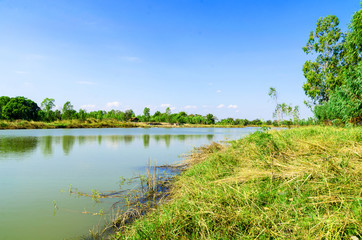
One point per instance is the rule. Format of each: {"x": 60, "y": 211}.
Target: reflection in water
{"x": 22, "y": 145}
{"x": 17, "y": 145}
{"x": 47, "y": 145}
{"x": 128, "y": 139}
{"x": 68, "y": 143}
{"x": 209, "y": 137}
{"x": 146, "y": 140}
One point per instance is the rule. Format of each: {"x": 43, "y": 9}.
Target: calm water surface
{"x": 37, "y": 167}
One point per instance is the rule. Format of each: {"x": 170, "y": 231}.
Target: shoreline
{"x": 205, "y": 202}
{"x": 67, "y": 124}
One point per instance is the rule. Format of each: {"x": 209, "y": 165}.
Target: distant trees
{"x": 3, "y": 101}
{"x": 282, "y": 109}
{"x": 20, "y": 108}
{"x": 210, "y": 119}
{"x": 47, "y": 106}
{"x": 68, "y": 112}
{"x": 146, "y": 114}
{"x": 25, "y": 109}
{"x": 128, "y": 114}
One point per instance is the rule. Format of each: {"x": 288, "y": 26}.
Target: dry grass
{"x": 89, "y": 123}
{"x": 303, "y": 183}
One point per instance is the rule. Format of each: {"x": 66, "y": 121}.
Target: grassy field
{"x": 303, "y": 183}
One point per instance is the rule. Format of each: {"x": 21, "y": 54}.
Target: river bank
{"x": 304, "y": 183}
{"x": 93, "y": 123}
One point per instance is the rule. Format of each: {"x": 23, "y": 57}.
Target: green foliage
{"x": 3, "y": 101}
{"x": 146, "y": 114}
{"x": 345, "y": 99}
{"x": 47, "y": 106}
{"x": 353, "y": 44}
{"x": 324, "y": 74}
{"x": 345, "y": 103}
{"x": 210, "y": 119}
{"x": 20, "y": 108}
{"x": 68, "y": 112}
{"x": 128, "y": 114}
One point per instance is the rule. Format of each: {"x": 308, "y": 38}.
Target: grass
{"x": 95, "y": 123}
{"x": 303, "y": 183}
{"x": 89, "y": 123}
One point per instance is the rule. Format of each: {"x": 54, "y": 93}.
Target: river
{"x": 37, "y": 168}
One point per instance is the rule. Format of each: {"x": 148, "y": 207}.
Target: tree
{"x": 210, "y": 119}
{"x": 128, "y": 114}
{"x": 20, "y": 108}
{"x": 168, "y": 111}
{"x": 274, "y": 95}
{"x": 345, "y": 99}
{"x": 146, "y": 114}
{"x": 3, "y": 101}
{"x": 68, "y": 111}
{"x": 325, "y": 73}
{"x": 82, "y": 114}
{"x": 47, "y": 106}
{"x": 345, "y": 103}
{"x": 353, "y": 46}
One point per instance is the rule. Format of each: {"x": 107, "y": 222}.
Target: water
{"x": 37, "y": 167}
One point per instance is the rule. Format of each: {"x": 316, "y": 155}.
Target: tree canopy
{"x": 335, "y": 81}
{"x": 20, "y": 108}
{"x": 324, "y": 74}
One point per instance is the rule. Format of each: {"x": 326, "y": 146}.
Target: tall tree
{"x": 353, "y": 44}
{"x": 67, "y": 111}
{"x": 274, "y": 95}
{"x": 324, "y": 74}
{"x": 146, "y": 114}
{"x": 47, "y": 106}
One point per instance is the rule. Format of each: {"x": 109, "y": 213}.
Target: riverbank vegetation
{"x": 334, "y": 76}
{"x": 303, "y": 183}
{"x": 23, "y": 113}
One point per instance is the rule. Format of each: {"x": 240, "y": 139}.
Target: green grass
{"x": 303, "y": 183}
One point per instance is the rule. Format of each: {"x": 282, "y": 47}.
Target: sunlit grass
{"x": 303, "y": 183}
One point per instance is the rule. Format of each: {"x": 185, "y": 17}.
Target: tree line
{"x": 21, "y": 108}
{"x": 334, "y": 76}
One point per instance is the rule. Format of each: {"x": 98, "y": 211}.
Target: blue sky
{"x": 203, "y": 57}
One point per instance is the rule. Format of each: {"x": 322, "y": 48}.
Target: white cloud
{"x": 237, "y": 111}
{"x": 218, "y": 91}
{"x": 130, "y": 59}
{"x": 86, "y": 83}
{"x": 113, "y": 104}
{"x": 190, "y": 107}
{"x": 233, "y": 106}
{"x": 205, "y": 106}
{"x": 167, "y": 105}
{"x": 164, "y": 105}
{"x": 220, "y": 106}
{"x": 88, "y": 107}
